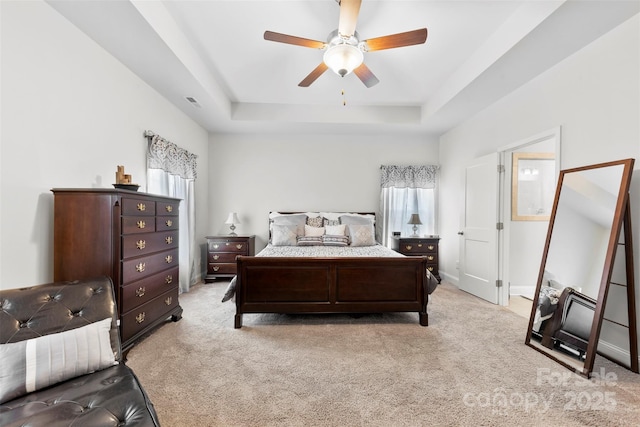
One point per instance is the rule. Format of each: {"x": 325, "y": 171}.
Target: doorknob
{"x": 460, "y": 233}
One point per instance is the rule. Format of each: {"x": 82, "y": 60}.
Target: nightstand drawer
{"x": 235, "y": 246}
{"x": 220, "y": 268}
{"x": 219, "y": 257}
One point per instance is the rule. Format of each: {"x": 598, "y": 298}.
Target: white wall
{"x": 70, "y": 114}
{"x": 256, "y": 174}
{"x": 593, "y": 95}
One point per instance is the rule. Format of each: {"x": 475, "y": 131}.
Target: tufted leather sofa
{"x": 107, "y": 397}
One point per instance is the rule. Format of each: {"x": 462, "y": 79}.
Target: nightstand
{"x": 222, "y": 252}
{"x": 419, "y": 246}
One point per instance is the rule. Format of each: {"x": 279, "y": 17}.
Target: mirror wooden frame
{"x": 621, "y": 222}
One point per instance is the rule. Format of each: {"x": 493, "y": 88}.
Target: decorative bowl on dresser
{"x": 419, "y": 246}
{"x": 222, "y": 252}
{"x": 129, "y": 236}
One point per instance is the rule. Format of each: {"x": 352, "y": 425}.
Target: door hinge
{"x": 500, "y": 168}
{"x": 499, "y": 225}
{"x": 499, "y": 283}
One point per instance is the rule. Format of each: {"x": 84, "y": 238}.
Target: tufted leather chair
{"x": 110, "y": 397}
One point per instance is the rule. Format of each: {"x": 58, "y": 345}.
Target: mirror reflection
{"x": 577, "y": 261}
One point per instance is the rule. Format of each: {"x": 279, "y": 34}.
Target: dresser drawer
{"x": 138, "y": 268}
{"x": 143, "y": 291}
{"x": 218, "y": 257}
{"x": 234, "y": 246}
{"x": 137, "y": 245}
{"x": 138, "y": 224}
{"x": 418, "y": 248}
{"x": 138, "y": 207}
{"x": 167, "y": 208}
{"x": 142, "y": 316}
{"x": 220, "y": 268}
{"x": 165, "y": 223}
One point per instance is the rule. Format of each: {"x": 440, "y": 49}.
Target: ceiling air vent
{"x": 193, "y": 101}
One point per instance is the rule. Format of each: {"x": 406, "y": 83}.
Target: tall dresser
{"x": 129, "y": 236}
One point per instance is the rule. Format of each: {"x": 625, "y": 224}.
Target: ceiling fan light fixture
{"x": 343, "y": 58}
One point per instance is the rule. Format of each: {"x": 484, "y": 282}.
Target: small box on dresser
{"x": 129, "y": 236}
{"x": 419, "y": 246}
{"x": 222, "y": 252}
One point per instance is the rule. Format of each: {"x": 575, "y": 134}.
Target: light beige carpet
{"x": 470, "y": 367}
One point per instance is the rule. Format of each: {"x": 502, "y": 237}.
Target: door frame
{"x": 504, "y": 200}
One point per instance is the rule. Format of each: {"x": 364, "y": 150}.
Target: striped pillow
{"x": 333, "y": 240}
{"x": 37, "y": 363}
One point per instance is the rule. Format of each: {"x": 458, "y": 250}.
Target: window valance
{"x": 408, "y": 176}
{"x": 169, "y": 157}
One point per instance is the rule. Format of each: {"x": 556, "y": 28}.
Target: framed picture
{"x": 532, "y": 186}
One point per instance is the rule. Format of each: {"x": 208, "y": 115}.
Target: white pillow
{"x": 30, "y": 365}
{"x": 335, "y": 230}
{"x": 284, "y": 235}
{"x": 313, "y": 231}
{"x": 362, "y": 235}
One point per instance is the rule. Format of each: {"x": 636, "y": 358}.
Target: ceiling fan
{"x": 344, "y": 51}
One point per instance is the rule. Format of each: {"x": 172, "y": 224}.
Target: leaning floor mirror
{"x": 584, "y": 302}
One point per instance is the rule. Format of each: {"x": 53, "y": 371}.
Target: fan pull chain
{"x": 344, "y": 100}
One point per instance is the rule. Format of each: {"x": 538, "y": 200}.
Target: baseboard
{"x": 524, "y": 290}
{"x": 448, "y": 278}
{"x": 618, "y": 354}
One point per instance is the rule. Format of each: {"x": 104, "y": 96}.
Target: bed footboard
{"x": 332, "y": 285}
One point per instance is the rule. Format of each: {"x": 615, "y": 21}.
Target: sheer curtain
{"x": 171, "y": 171}
{"x": 407, "y": 190}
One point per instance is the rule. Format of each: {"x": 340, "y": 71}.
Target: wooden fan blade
{"x": 366, "y": 76}
{"x": 298, "y": 41}
{"x": 397, "y": 40}
{"x": 317, "y": 72}
{"x": 349, "y": 10}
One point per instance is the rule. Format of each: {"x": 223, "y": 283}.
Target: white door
{"x": 479, "y": 235}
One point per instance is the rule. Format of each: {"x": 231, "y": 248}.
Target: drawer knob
{"x": 140, "y": 317}
{"x": 168, "y": 259}
{"x": 169, "y": 240}
{"x": 216, "y": 256}
{"x": 216, "y": 268}
{"x": 140, "y": 291}
{"x": 408, "y": 247}
{"x": 141, "y": 267}
{"x": 239, "y": 246}
{"x": 419, "y": 245}
{"x": 168, "y": 300}
{"x": 168, "y": 279}
{"x": 431, "y": 247}
{"x": 141, "y": 244}
{"x": 142, "y": 207}
{"x": 169, "y": 208}
{"x": 141, "y": 224}
{"x": 430, "y": 268}
{"x": 169, "y": 223}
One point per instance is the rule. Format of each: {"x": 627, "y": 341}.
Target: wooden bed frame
{"x": 333, "y": 285}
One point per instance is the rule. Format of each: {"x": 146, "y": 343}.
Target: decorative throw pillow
{"x": 310, "y": 240}
{"x": 30, "y": 365}
{"x": 362, "y": 235}
{"x": 329, "y": 240}
{"x": 313, "y": 231}
{"x": 327, "y": 221}
{"x": 315, "y": 221}
{"x": 284, "y": 235}
{"x": 335, "y": 230}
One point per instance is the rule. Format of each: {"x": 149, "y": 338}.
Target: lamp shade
{"x": 415, "y": 219}
{"x": 232, "y": 218}
{"x": 343, "y": 58}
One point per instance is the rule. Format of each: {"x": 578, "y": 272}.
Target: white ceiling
{"x": 476, "y": 52}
